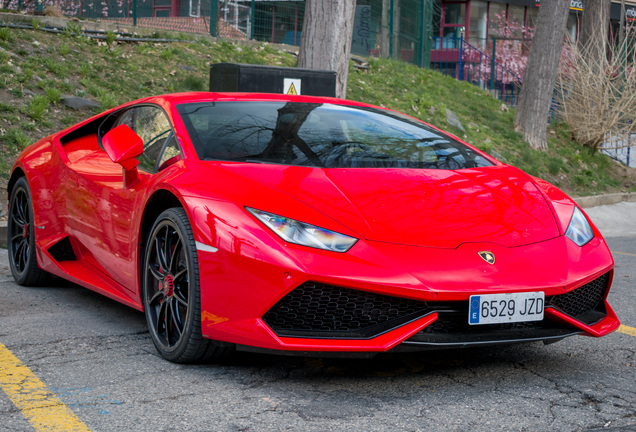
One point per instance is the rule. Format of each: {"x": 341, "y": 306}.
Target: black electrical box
{"x": 233, "y": 77}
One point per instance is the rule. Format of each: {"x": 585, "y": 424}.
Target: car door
{"x": 106, "y": 221}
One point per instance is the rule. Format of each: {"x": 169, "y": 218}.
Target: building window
{"x": 478, "y": 23}
{"x": 496, "y": 9}
{"x": 454, "y": 19}
{"x": 531, "y": 17}
{"x": 572, "y": 26}
{"x": 455, "y": 13}
{"x": 517, "y": 14}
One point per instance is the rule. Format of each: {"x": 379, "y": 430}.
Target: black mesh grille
{"x": 453, "y": 330}
{"x": 583, "y": 300}
{"x": 457, "y": 322}
{"x": 319, "y": 310}
{"x": 62, "y": 250}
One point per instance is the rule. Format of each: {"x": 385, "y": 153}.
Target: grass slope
{"x": 37, "y": 68}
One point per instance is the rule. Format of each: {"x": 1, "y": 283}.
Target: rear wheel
{"x": 21, "y": 237}
{"x": 171, "y": 291}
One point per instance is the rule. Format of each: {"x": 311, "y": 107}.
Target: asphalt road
{"x": 97, "y": 357}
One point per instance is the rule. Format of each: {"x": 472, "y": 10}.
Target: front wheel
{"x": 21, "y": 237}
{"x": 171, "y": 291}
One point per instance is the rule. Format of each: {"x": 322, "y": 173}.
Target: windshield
{"x": 321, "y": 135}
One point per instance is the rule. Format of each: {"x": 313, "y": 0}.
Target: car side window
{"x": 152, "y": 125}
{"x": 160, "y": 144}
{"x": 171, "y": 153}
{"x": 127, "y": 118}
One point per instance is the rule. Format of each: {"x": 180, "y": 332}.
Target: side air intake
{"x": 62, "y": 250}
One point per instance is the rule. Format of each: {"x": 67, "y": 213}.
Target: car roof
{"x": 192, "y": 97}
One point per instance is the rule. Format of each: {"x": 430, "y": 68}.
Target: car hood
{"x": 433, "y": 208}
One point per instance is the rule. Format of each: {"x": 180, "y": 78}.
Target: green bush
{"x": 54, "y": 95}
{"x": 37, "y": 106}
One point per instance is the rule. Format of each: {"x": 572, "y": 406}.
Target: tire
{"x": 21, "y": 237}
{"x": 171, "y": 292}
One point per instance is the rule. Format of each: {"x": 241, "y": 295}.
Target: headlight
{"x": 579, "y": 230}
{"x": 293, "y": 231}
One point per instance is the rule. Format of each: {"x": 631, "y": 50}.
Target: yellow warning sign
{"x": 291, "y": 86}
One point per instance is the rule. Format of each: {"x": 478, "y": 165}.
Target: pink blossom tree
{"x": 512, "y": 46}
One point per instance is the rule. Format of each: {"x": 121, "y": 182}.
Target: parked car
{"x": 293, "y": 224}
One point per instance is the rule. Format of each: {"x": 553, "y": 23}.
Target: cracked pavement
{"x": 97, "y": 357}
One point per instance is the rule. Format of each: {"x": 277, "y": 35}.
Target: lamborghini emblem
{"x": 488, "y": 256}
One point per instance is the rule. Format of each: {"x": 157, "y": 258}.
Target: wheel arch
{"x": 160, "y": 201}
{"x": 15, "y": 176}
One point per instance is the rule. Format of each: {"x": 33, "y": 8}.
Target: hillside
{"x": 38, "y": 68}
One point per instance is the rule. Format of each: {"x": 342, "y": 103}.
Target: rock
{"x": 498, "y": 156}
{"x": 17, "y": 70}
{"x": 186, "y": 68}
{"x": 452, "y": 120}
{"x": 53, "y": 11}
{"x": 432, "y": 110}
{"x": 78, "y": 103}
{"x": 28, "y": 93}
{"x": 9, "y": 53}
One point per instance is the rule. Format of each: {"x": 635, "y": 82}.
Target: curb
{"x": 3, "y": 233}
{"x": 97, "y": 25}
{"x": 599, "y": 200}
{"x": 3, "y": 225}
{"x": 92, "y": 25}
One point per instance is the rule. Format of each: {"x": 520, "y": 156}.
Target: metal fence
{"x": 619, "y": 148}
{"x": 457, "y": 58}
{"x": 400, "y": 29}
{"x": 191, "y": 16}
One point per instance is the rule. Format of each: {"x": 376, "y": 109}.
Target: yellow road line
{"x": 627, "y": 330}
{"x": 624, "y": 253}
{"x": 38, "y": 404}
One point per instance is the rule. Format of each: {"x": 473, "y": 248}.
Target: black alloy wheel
{"x": 21, "y": 237}
{"x": 170, "y": 290}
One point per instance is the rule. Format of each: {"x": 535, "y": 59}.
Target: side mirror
{"x": 123, "y": 145}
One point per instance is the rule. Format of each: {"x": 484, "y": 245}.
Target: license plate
{"x": 506, "y": 308}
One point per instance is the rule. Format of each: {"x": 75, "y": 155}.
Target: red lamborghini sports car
{"x": 304, "y": 225}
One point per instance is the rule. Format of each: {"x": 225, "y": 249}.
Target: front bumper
{"x": 250, "y": 271}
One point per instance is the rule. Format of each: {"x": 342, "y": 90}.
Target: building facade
{"x": 476, "y": 17}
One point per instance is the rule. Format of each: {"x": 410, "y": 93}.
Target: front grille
{"x": 317, "y": 310}
{"x": 457, "y": 322}
{"x": 451, "y": 329}
{"x": 584, "y": 303}
{"x": 320, "y": 310}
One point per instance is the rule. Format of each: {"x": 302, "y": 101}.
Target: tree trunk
{"x": 396, "y": 31}
{"x": 326, "y": 40}
{"x": 384, "y": 35}
{"x": 531, "y": 118}
{"x": 593, "y": 36}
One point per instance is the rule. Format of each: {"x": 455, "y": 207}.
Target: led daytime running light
{"x": 304, "y": 234}
{"x": 579, "y": 229}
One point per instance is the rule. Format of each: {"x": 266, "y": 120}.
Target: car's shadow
{"x": 399, "y": 364}
{"x": 74, "y": 299}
